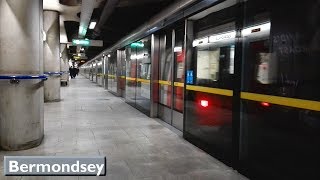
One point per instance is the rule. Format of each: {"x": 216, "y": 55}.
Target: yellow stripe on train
{"x": 147, "y": 81}
{"x": 284, "y": 101}
{"x": 224, "y": 92}
{"x": 162, "y": 82}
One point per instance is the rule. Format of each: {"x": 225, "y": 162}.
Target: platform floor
{"x": 91, "y": 121}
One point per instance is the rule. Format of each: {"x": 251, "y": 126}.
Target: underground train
{"x": 239, "y": 78}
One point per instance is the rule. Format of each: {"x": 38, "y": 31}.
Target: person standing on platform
{"x": 72, "y": 72}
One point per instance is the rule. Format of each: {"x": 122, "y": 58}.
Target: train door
{"x": 209, "y": 100}
{"x": 171, "y": 77}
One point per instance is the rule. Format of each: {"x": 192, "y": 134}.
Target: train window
{"x": 279, "y": 56}
{"x": 214, "y": 56}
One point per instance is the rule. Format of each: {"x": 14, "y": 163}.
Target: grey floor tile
{"x": 91, "y": 121}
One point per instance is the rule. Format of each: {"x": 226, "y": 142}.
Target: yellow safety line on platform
{"x": 285, "y": 101}
{"x": 224, "y": 92}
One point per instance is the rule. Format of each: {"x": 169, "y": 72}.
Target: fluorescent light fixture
{"x": 177, "y": 49}
{"x": 152, "y": 29}
{"x": 202, "y": 41}
{"x": 137, "y": 44}
{"x": 255, "y": 29}
{"x": 92, "y": 25}
{"x": 82, "y": 42}
{"x": 223, "y": 37}
{"x": 44, "y": 36}
{"x": 139, "y": 56}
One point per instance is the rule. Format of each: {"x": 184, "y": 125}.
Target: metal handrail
{"x": 24, "y": 77}
{"x": 53, "y": 73}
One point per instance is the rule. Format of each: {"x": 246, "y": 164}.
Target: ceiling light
{"x": 177, "y": 49}
{"x": 92, "y": 25}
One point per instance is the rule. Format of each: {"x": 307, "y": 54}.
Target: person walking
{"x": 72, "y": 72}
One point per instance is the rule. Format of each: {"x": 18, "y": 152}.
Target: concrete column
{"x": 51, "y": 53}
{"x": 21, "y": 104}
{"x": 64, "y": 64}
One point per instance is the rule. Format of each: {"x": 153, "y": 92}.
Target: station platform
{"x": 91, "y": 121}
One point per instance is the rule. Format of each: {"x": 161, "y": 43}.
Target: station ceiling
{"x": 126, "y": 17}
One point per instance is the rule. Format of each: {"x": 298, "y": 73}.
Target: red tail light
{"x": 265, "y": 104}
{"x": 204, "y": 103}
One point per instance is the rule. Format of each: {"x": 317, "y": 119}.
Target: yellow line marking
{"x": 123, "y": 77}
{"x": 130, "y": 79}
{"x": 164, "y": 82}
{"x": 178, "y": 84}
{"x": 143, "y": 80}
{"x": 285, "y": 101}
{"x": 224, "y": 92}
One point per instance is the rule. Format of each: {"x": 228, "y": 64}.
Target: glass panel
{"x": 122, "y": 71}
{"x": 143, "y": 87}
{"x": 179, "y": 63}
{"x": 281, "y": 58}
{"x": 208, "y": 120}
{"x": 215, "y": 61}
{"x": 100, "y": 73}
{"x": 166, "y": 69}
{"x": 112, "y": 73}
{"x": 131, "y": 75}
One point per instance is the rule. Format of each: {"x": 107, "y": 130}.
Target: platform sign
{"x": 190, "y": 77}
{"x": 80, "y": 42}
{"x": 87, "y": 42}
{"x": 137, "y": 44}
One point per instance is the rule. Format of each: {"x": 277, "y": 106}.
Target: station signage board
{"x": 87, "y": 42}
